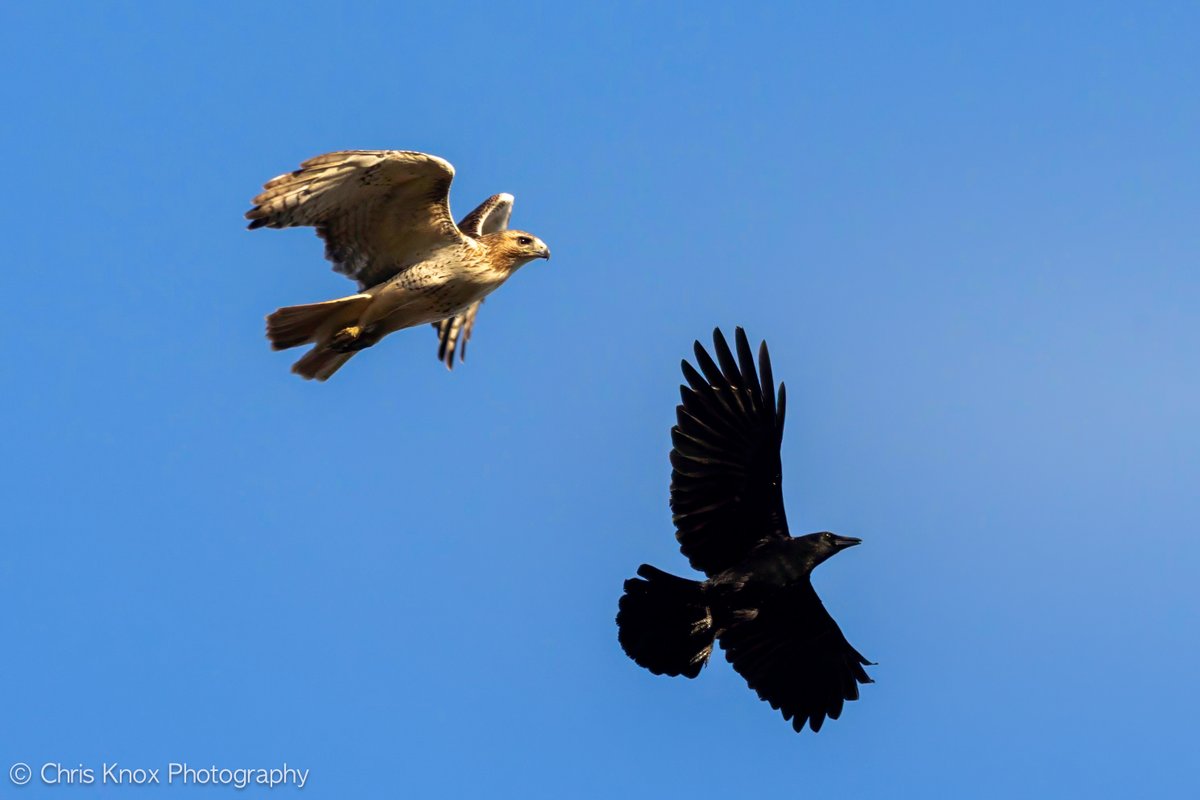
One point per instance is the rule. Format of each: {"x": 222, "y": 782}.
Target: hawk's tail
{"x": 296, "y": 325}
{"x": 320, "y": 363}
{"x": 316, "y": 322}
{"x": 664, "y": 623}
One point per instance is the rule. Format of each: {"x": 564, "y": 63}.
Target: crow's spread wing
{"x": 794, "y": 655}
{"x": 726, "y": 494}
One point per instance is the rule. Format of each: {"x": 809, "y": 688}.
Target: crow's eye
{"x": 524, "y": 240}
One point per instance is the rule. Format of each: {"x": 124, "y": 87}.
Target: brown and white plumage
{"x": 385, "y": 218}
{"x": 491, "y": 216}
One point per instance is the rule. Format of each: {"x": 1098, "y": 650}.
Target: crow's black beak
{"x": 842, "y": 542}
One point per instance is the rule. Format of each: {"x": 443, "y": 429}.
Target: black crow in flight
{"x": 727, "y": 500}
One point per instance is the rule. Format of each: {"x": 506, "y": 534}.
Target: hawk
{"x": 758, "y": 602}
{"x": 385, "y": 218}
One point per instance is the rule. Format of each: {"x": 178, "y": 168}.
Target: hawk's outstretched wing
{"x": 379, "y": 211}
{"x": 491, "y": 215}
{"x": 453, "y": 334}
{"x": 726, "y": 481}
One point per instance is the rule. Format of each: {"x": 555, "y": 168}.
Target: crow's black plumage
{"x": 757, "y": 602}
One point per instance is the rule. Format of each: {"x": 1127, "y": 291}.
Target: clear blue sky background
{"x": 969, "y": 235}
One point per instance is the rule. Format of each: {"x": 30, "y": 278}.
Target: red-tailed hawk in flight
{"x": 385, "y": 218}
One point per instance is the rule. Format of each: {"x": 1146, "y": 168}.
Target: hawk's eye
{"x": 524, "y": 240}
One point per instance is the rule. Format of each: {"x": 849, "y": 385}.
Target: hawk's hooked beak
{"x": 545, "y": 253}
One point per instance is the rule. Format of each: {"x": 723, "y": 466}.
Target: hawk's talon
{"x": 347, "y": 340}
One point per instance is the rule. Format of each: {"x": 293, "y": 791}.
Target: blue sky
{"x": 968, "y": 234}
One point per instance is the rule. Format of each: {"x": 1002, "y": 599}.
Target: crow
{"x": 727, "y": 504}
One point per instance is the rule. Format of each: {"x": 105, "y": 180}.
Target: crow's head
{"x": 819, "y": 546}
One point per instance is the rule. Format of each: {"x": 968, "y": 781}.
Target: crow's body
{"x": 757, "y": 602}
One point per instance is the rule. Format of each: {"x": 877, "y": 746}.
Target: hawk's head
{"x": 511, "y": 249}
